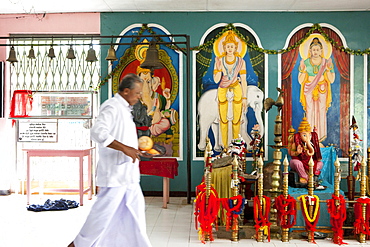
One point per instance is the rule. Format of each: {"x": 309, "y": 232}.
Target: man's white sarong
{"x": 116, "y": 219}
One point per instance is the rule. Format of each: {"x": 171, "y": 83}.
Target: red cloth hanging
{"x": 342, "y": 62}
{"x": 338, "y": 214}
{"x": 289, "y": 59}
{"x": 261, "y": 215}
{"x": 21, "y": 103}
{"x": 362, "y": 224}
{"x": 286, "y": 211}
{"x": 206, "y": 211}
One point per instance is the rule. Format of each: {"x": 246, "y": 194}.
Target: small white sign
{"x": 31, "y": 131}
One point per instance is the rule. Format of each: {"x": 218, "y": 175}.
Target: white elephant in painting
{"x": 208, "y": 116}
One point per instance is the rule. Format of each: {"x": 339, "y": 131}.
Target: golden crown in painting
{"x": 230, "y": 38}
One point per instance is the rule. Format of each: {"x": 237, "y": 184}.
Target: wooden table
{"x": 163, "y": 167}
{"x": 80, "y": 153}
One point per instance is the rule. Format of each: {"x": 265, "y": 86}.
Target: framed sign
{"x": 37, "y": 131}
{"x": 51, "y": 105}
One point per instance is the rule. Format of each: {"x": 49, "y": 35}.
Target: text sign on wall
{"x": 37, "y": 131}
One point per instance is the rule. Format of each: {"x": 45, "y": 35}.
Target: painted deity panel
{"x": 316, "y": 85}
{"x": 229, "y": 89}
{"x": 368, "y": 97}
{"x": 157, "y": 113}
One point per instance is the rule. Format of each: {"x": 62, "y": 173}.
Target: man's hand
{"x": 132, "y": 152}
{"x": 146, "y": 155}
{"x": 129, "y": 151}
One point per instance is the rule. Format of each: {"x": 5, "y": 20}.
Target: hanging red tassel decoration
{"x": 361, "y": 224}
{"x": 286, "y": 211}
{"x": 338, "y": 214}
{"x": 232, "y": 211}
{"x": 206, "y": 212}
{"x": 261, "y": 215}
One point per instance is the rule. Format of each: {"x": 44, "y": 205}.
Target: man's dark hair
{"x": 128, "y": 81}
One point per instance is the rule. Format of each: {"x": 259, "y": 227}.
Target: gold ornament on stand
{"x": 277, "y": 155}
{"x": 337, "y": 177}
{"x": 368, "y": 171}
{"x": 310, "y": 194}
{"x": 362, "y": 237}
{"x": 262, "y": 203}
{"x": 337, "y": 207}
{"x": 207, "y": 176}
{"x": 310, "y": 205}
{"x": 261, "y": 208}
{"x": 235, "y": 192}
{"x": 285, "y": 231}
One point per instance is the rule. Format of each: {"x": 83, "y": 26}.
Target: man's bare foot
{"x": 71, "y": 245}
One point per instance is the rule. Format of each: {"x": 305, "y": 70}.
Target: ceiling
{"x": 65, "y": 6}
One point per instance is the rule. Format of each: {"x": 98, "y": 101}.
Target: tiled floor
{"x": 171, "y": 227}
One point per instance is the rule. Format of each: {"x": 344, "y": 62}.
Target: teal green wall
{"x": 272, "y": 29}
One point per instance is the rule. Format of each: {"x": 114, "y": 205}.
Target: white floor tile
{"x": 169, "y": 227}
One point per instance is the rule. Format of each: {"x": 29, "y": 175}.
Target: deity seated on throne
{"x": 323, "y": 173}
{"x": 302, "y": 146}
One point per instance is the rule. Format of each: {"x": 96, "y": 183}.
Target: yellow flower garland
{"x": 317, "y": 206}
{"x": 253, "y": 46}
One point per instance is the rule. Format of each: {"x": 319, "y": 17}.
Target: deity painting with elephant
{"x": 230, "y": 89}
{"x": 230, "y": 73}
{"x": 208, "y": 116}
{"x": 156, "y": 103}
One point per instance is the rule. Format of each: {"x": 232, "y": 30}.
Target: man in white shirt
{"x": 117, "y": 217}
